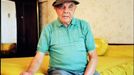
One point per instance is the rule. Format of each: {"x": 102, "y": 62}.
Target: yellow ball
{"x": 101, "y": 46}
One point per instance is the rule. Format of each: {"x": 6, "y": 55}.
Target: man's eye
{"x": 71, "y": 6}
{"x": 60, "y": 6}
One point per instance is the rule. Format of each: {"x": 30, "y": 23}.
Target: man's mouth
{"x": 65, "y": 16}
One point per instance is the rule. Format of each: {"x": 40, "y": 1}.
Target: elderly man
{"x": 70, "y": 44}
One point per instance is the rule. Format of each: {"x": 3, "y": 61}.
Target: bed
{"x": 113, "y": 60}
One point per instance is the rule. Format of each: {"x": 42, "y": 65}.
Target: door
{"x": 27, "y": 29}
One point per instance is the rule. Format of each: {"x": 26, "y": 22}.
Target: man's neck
{"x": 66, "y": 24}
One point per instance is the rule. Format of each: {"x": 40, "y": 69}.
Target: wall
{"x": 109, "y": 19}
{"x": 43, "y": 13}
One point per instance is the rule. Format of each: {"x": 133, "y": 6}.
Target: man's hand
{"x": 34, "y": 65}
{"x": 26, "y": 73}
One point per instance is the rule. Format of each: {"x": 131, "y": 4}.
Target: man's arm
{"x": 91, "y": 66}
{"x": 34, "y": 65}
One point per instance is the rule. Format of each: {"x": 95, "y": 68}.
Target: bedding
{"x": 118, "y": 60}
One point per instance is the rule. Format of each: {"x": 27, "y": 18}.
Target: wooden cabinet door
{"x": 27, "y": 29}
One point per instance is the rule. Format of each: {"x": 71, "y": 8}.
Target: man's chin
{"x": 66, "y": 22}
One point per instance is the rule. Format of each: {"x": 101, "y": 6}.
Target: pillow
{"x": 101, "y": 46}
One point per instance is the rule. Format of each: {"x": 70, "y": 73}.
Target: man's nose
{"x": 66, "y": 9}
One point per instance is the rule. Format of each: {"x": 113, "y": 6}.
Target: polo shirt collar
{"x": 73, "y": 22}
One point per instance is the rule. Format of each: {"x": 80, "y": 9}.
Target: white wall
{"x": 110, "y": 19}
{"x": 8, "y": 22}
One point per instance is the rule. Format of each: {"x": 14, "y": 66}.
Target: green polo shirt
{"x": 67, "y": 46}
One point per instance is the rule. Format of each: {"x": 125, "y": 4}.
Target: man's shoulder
{"x": 53, "y": 22}
{"x": 49, "y": 25}
{"x": 79, "y": 20}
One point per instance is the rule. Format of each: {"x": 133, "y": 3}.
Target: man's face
{"x": 65, "y": 12}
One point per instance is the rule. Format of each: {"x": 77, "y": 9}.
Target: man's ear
{"x": 54, "y": 8}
